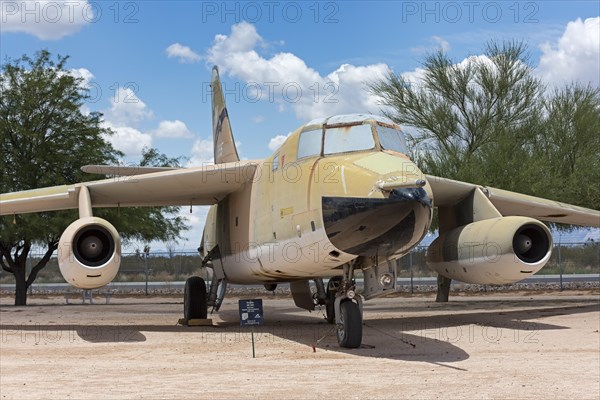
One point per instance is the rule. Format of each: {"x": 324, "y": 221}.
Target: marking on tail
{"x": 224, "y": 144}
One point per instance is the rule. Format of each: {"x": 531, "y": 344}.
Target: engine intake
{"x": 492, "y": 251}
{"x": 531, "y": 243}
{"x": 89, "y": 253}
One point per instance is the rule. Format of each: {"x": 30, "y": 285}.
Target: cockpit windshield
{"x": 348, "y": 138}
{"x": 392, "y": 139}
{"x": 349, "y": 133}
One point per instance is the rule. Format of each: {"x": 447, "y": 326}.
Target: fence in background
{"x": 567, "y": 258}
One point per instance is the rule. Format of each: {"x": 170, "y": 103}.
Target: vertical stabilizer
{"x": 224, "y": 145}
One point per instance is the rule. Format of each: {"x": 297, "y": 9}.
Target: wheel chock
{"x": 195, "y": 322}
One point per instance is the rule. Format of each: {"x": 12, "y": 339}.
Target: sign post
{"x": 251, "y": 314}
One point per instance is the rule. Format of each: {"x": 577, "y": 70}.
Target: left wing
{"x": 447, "y": 193}
{"x": 204, "y": 185}
{"x": 123, "y": 170}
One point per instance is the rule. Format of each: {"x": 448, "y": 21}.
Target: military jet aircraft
{"x": 339, "y": 196}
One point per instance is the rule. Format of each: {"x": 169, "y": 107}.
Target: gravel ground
{"x": 524, "y": 345}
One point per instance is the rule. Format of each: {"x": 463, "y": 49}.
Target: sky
{"x": 147, "y": 63}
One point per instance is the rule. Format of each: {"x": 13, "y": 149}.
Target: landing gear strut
{"x": 333, "y": 287}
{"x": 345, "y": 306}
{"x": 443, "y": 290}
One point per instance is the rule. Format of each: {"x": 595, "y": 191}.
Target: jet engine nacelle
{"x": 493, "y": 251}
{"x": 89, "y": 253}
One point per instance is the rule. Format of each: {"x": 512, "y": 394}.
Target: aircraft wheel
{"x": 330, "y": 298}
{"x": 349, "y": 330}
{"x": 194, "y": 299}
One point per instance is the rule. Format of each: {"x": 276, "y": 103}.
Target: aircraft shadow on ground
{"x": 435, "y": 339}
{"x": 92, "y": 333}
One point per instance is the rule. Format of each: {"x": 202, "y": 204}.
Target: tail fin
{"x": 225, "y": 150}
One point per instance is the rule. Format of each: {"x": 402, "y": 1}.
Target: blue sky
{"x": 147, "y": 63}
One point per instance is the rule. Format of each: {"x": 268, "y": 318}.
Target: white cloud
{"x": 183, "y": 53}
{"x": 352, "y": 93}
{"x": 435, "y": 43}
{"x": 47, "y": 20}
{"x": 202, "y": 153}
{"x": 442, "y": 44}
{"x": 127, "y": 109}
{"x": 83, "y": 73}
{"x": 286, "y": 80}
{"x": 172, "y": 129}
{"x": 243, "y": 38}
{"x": 123, "y": 116}
{"x": 415, "y": 76}
{"x": 128, "y": 140}
{"x": 575, "y": 56}
{"x": 277, "y": 141}
{"x": 257, "y": 119}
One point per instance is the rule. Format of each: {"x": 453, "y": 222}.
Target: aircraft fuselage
{"x": 305, "y": 217}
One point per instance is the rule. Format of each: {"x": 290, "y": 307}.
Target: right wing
{"x": 204, "y": 185}
{"x": 448, "y": 193}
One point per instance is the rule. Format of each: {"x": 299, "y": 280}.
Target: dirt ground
{"x": 489, "y": 346}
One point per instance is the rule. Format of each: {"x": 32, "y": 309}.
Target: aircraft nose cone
{"x": 418, "y": 195}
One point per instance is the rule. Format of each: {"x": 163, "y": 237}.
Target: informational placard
{"x": 251, "y": 312}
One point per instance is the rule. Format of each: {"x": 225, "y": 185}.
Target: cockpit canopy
{"x": 349, "y": 133}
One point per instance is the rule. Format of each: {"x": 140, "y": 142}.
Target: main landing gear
{"x": 344, "y": 307}
{"x": 194, "y": 299}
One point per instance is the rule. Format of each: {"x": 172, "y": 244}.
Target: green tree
{"x": 462, "y": 111}
{"x": 568, "y": 146}
{"x": 45, "y": 139}
{"x": 489, "y": 120}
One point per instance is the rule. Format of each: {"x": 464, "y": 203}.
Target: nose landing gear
{"x": 349, "y": 324}
{"x": 344, "y": 307}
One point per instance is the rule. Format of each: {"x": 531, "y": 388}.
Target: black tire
{"x": 194, "y": 299}
{"x": 330, "y": 299}
{"x": 349, "y": 332}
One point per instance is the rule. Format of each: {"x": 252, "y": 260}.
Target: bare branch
{"x": 5, "y": 267}
{"x": 5, "y": 253}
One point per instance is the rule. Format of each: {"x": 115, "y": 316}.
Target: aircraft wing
{"x": 123, "y": 170}
{"x": 204, "y": 185}
{"x": 447, "y": 192}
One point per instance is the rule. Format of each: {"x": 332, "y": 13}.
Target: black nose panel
{"x": 383, "y": 227}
